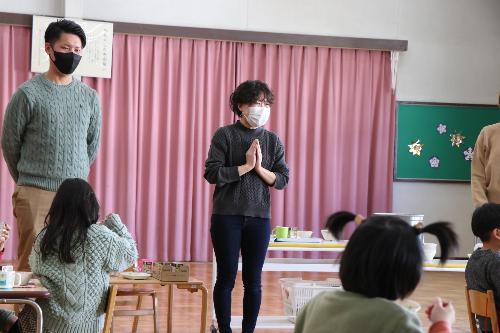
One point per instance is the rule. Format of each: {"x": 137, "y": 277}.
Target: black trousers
{"x": 232, "y": 234}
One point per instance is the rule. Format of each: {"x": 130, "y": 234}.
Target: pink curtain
{"x": 158, "y": 121}
{"x": 185, "y": 86}
{"x": 334, "y": 112}
{"x": 14, "y": 70}
{"x": 114, "y": 173}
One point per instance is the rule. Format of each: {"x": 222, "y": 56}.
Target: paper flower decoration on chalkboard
{"x": 416, "y": 147}
{"x": 456, "y": 139}
{"x": 434, "y": 162}
{"x": 468, "y": 154}
{"x": 441, "y": 128}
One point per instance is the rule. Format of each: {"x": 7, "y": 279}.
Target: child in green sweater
{"x": 73, "y": 256}
{"x": 382, "y": 262}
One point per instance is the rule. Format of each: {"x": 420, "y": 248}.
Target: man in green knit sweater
{"x": 50, "y": 132}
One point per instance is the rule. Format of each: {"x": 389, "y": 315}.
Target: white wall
{"x": 34, "y": 7}
{"x": 325, "y": 17}
{"x": 438, "y": 202}
{"x": 453, "y": 54}
{"x": 454, "y": 51}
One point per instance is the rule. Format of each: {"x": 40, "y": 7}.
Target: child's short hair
{"x": 383, "y": 257}
{"x": 484, "y": 220}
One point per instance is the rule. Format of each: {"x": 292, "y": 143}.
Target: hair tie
{"x": 418, "y": 228}
{"x": 358, "y": 219}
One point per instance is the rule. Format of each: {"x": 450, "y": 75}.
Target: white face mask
{"x": 258, "y": 115}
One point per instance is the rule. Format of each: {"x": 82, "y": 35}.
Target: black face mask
{"x": 66, "y": 63}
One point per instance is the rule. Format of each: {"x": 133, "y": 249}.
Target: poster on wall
{"x": 435, "y": 142}
{"x": 96, "y": 56}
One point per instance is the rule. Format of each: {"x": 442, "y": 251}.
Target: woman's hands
{"x": 251, "y": 158}
{"x": 254, "y": 161}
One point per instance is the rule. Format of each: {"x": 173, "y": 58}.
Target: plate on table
{"x": 135, "y": 275}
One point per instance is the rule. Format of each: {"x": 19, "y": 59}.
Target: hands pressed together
{"x": 254, "y": 162}
{"x": 254, "y": 156}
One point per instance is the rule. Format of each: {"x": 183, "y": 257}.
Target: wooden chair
{"x": 110, "y": 308}
{"x": 482, "y": 304}
{"x": 139, "y": 311}
{"x": 140, "y": 293}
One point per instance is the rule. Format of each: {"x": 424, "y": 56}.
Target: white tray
{"x": 300, "y": 240}
{"x": 135, "y": 275}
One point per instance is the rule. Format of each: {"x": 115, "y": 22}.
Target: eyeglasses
{"x": 262, "y": 102}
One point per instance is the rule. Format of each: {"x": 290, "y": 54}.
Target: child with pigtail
{"x": 382, "y": 262}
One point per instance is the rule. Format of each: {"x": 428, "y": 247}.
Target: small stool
{"x": 140, "y": 293}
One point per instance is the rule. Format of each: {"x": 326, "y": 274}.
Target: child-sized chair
{"x": 482, "y": 304}
{"x": 110, "y": 308}
{"x": 140, "y": 293}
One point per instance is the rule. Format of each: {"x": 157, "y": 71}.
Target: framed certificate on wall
{"x": 96, "y": 56}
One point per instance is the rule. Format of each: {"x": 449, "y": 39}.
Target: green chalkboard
{"x": 438, "y": 159}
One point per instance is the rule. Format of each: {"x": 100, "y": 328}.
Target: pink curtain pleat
{"x": 114, "y": 173}
{"x": 15, "y": 62}
{"x": 185, "y": 86}
{"x": 334, "y": 112}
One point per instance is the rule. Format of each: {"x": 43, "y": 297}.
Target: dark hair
{"x": 484, "y": 220}
{"x": 55, "y": 29}
{"x": 249, "y": 92}
{"x": 383, "y": 257}
{"x": 73, "y": 211}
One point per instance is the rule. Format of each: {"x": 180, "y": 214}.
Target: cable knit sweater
{"x": 79, "y": 290}
{"x": 51, "y": 132}
{"x": 247, "y": 195}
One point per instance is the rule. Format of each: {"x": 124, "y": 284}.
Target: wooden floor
{"x": 186, "y": 309}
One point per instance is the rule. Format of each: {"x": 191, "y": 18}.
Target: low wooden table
{"x": 25, "y": 296}
{"x": 193, "y": 285}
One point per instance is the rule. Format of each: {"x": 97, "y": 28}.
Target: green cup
{"x": 281, "y": 232}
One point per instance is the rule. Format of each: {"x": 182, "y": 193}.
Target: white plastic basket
{"x": 295, "y": 293}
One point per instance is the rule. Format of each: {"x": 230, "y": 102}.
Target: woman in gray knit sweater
{"x": 73, "y": 256}
{"x": 245, "y": 160}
